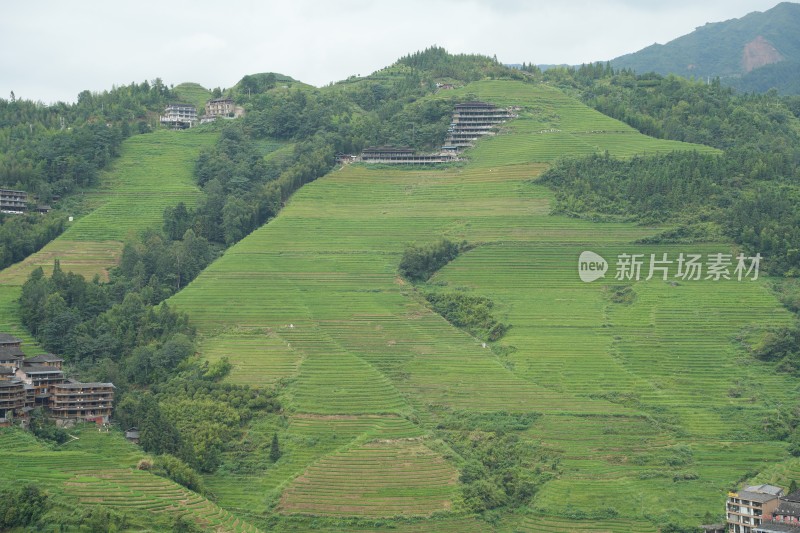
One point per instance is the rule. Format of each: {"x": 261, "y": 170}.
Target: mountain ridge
{"x": 733, "y": 50}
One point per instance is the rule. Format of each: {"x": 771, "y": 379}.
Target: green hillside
{"x": 154, "y": 171}
{"x": 613, "y": 406}
{"x": 99, "y": 469}
{"x": 735, "y": 50}
{"x": 193, "y": 93}
{"x": 634, "y": 417}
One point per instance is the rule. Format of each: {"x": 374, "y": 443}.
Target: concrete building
{"x": 220, "y": 107}
{"x": 179, "y": 116}
{"x": 751, "y": 506}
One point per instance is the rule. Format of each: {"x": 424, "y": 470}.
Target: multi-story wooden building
{"x": 84, "y": 401}
{"x": 45, "y": 359}
{"x": 12, "y": 201}
{"x": 472, "y": 120}
{"x": 39, "y": 382}
{"x": 404, "y": 156}
{"x": 12, "y": 400}
{"x": 750, "y": 507}
{"x": 41, "y": 379}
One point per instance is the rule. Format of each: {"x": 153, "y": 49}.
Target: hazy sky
{"x": 52, "y": 49}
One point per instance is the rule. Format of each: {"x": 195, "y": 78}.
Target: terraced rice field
{"x": 651, "y": 406}
{"x": 634, "y": 396}
{"x": 378, "y": 479}
{"x": 154, "y": 171}
{"x": 85, "y": 477}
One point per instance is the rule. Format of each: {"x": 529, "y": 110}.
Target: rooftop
{"x": 43, "y": 358}
{"x": 766, "y": 489}
{"x": 41, "y": 369}
{"x": 776, "y": 527}
{"x": 475, "y": 104}
{"x": 760, "y": 497}
{"x": 84, "y": 385}
{"x": 788, "y": 508}
{"x": 5, "y": 338}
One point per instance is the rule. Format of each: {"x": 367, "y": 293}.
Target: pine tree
{"x": 274, "y": 449}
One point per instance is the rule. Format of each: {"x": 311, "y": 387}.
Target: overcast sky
{"x": 51, "y": 50}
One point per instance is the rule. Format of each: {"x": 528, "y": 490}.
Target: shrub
{"x": 419, "y": 263}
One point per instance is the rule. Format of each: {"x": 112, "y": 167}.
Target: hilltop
{"x": 756, "y": 52}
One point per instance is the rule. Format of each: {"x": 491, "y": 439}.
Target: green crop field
{"x": 100, "y": 469}
{"x": 154, "y": 171}
{"x": 193, "y": 93}
{"x": 652, "y": 406}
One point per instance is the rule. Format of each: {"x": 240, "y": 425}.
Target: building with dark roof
{"x": 45, "y": 359}
{"x": 405, "y": 156}
{"x": 9, "y": 340}
{"x": 39, "y": 382}
{"x": 85, "y": 401}
{"x": 788, "y": 511}
{"x": 776, "y": 527}
{"x": 10, "y": 356}
{"x": 751, "y": 506}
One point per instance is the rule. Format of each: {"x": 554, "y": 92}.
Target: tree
{"x": 21, "y": 507}
{"x": 274, "y": 449}
{"x": 236, "y": 218}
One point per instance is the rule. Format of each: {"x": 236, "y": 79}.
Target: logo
{"x": 591, "y": 267}
{"x": 666, "y": 266}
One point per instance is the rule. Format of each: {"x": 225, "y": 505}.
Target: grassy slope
{"x": 154, "y": 171}
{"x": 626, "y": 390}
{"x": 100, "y": 469}
{"x": 193, "y": 93}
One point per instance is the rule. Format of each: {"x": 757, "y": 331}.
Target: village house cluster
{"x": 760, "y": 509}
{"x": 28, "y": 383}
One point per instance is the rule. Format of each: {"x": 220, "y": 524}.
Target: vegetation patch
{"x": 468, "y": 312}
{"x": 419, "y": 263}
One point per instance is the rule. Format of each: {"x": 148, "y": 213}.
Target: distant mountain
{"x": 754, "y": 53}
